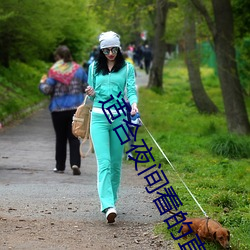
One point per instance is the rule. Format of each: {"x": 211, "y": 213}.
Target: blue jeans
{"x": 108, "y": 151}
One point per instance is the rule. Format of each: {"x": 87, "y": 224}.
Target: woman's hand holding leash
{"x": 134, "y": 109}
{"x": 90, "y": 91}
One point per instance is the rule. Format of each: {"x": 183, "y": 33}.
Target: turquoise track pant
{"x": 108, "y": 151}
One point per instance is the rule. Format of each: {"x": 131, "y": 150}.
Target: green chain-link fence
{"x": 208, "y": 58}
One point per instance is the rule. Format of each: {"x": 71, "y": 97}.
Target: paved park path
{"x": 40, "y": 209}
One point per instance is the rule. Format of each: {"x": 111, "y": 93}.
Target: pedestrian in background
{"x": 92, "y": 57}
{"x": 138, "y": 53}
{"x": 65, "y": 84}
{"x": 147, "y": 54}
{"x": 109, "y": 75}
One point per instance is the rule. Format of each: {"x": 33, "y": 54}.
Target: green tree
{"x": 156, "y": 72}
{"x": 25, "y": 31}
{"x": 241, "y": 18}
{"x": 126, "y": 17}
{"x": 242, "y": 33}
{"x": 28, "y": 33}
{"x": 221, "y": 27}
{"x": 201, "y": 99}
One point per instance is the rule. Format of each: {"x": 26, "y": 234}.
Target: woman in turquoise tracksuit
{"x": 108, "y": 76}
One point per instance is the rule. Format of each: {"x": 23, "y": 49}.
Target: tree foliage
{"x": 28, "y": 33}
{"x": 241, "y": 18}
{"x": 126, "y": 17}
{"x": 242, "y": 34}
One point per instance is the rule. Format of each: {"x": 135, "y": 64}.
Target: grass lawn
{"x": 214, "y": 164}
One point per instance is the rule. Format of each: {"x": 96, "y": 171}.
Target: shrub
{"x": 210, "y": 129}
{"x": 224, "y": 200}
{"x": 231, "y": 146}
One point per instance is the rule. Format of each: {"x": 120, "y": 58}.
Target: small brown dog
{"x": 208, "y": 229}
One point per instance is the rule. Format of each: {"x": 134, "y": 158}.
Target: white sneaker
{"x": 129, "y": 154}
{"x": 58, "y": 171}
{"x": 111, "y": 214}
{"x": 76, "y": 170}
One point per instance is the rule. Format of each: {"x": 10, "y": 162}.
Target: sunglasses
{"x": 106, "y": 51}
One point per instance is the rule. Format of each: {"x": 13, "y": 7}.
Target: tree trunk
{"x": 233, "y": 97}
{"x": 159, "y": 46}
{"x": 201, "y": 99}
{"x": 223, "y": 38}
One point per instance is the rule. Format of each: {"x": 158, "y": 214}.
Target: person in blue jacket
{"x": 65, "y": 83}
{"x": 109, "y": 76}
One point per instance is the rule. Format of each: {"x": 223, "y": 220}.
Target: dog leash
{"x": 175, "y": 170}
